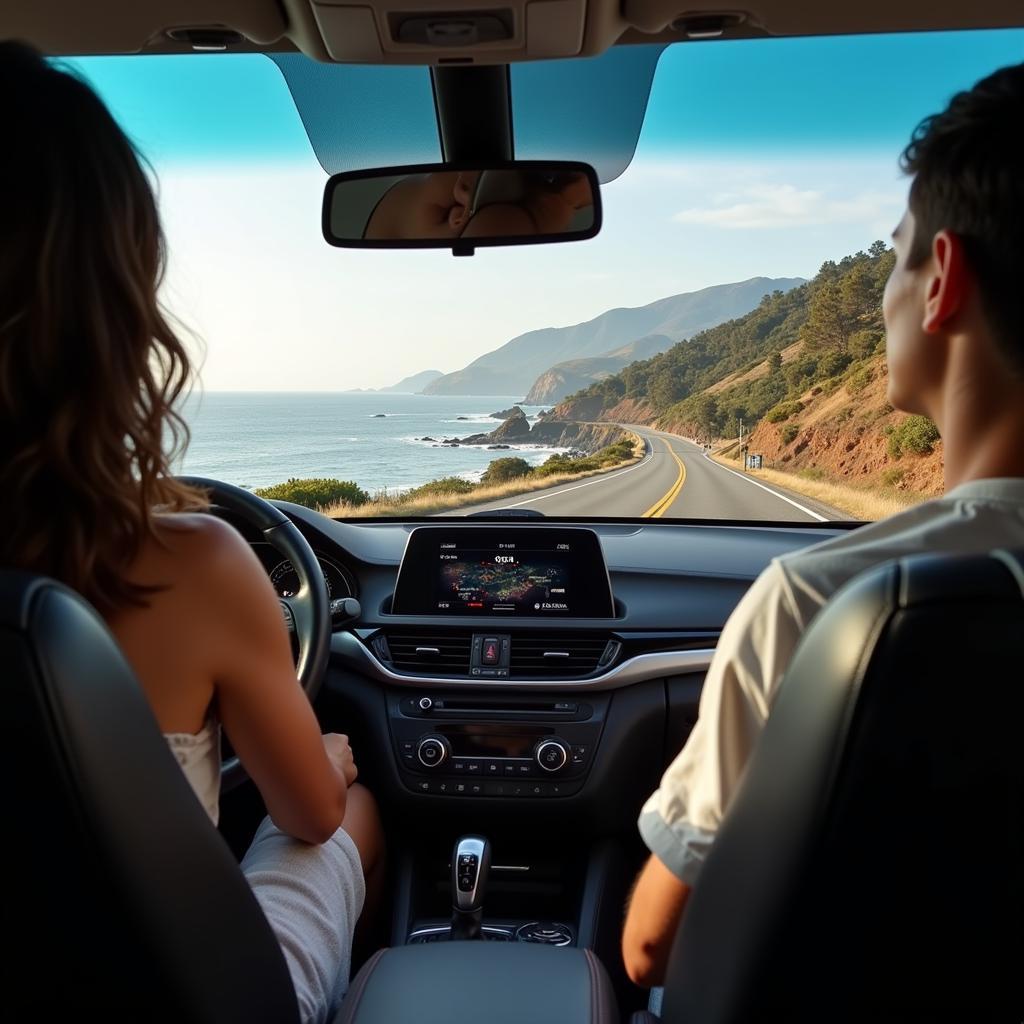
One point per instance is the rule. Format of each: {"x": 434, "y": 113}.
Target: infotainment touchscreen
{"x": 503, "y": 571}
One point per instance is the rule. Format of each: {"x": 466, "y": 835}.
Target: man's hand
{"x": 340, "y": 754}
{"x": 655, "y": 909}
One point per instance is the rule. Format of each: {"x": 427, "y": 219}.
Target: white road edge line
{"x": 795, "y": 504}
{"x": 600, "y": 480}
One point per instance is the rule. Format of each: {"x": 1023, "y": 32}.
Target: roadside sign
{"x": 754, "y": 461}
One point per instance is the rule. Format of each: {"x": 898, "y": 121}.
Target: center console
{"x": 498, "y": 743}
{"x": 477, "y": 745}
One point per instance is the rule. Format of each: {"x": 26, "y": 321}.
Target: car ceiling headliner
{"x": 543, "y": 28}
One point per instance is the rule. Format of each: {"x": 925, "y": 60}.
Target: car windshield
{"x": 716, "y": 352}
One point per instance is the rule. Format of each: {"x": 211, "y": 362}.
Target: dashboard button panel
{"x": 518, "y": 747}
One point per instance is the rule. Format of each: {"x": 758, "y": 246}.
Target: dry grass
{"x": 431, "y": 505}
{"x": 858, "y": 503}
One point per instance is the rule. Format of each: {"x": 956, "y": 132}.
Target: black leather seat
{"x": 124, "y": 904}
{"x": 872, "y": 865}
{"x": 121, "y": 902}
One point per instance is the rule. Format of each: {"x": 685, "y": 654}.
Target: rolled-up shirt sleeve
{"x": 679, "y": 821}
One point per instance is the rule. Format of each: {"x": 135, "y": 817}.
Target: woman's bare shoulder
{"x": 204, "y": 544}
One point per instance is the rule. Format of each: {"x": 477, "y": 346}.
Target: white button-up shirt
{"x": 679, "y": 821}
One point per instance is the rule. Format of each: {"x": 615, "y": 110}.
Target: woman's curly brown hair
{"x": 90, "y": 368}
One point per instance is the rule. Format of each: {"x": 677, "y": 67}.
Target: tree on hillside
{"x": 856, "y": 292}
{"x": 774, "y": 362}
{"x": 667, "y": 388}
{"x": 827, "y": 323}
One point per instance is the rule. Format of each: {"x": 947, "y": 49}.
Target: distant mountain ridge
{"x": 413, "y": 384}
{"x": 564, "y": 378}
{"x": 516, "y": 365}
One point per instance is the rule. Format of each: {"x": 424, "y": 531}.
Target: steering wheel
{"x": 307, "y": 614}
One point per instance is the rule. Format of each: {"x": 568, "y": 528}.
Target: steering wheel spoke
{"x": 289, "y": 614}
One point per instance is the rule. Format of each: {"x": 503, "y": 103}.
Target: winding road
{"x": 675, "y": 480}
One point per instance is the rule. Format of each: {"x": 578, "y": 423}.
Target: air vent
{"x": 426, "y": 653}
{"x": 560, "y": 657}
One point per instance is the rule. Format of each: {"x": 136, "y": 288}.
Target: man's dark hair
{"x": 968, "y": 168}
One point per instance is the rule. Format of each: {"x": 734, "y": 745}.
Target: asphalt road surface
{"x": 675, "y": 480}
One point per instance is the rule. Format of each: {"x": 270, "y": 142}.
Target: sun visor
{"x": 361, "y": 116}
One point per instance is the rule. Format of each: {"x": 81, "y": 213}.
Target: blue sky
{"x": 755, "y": 158}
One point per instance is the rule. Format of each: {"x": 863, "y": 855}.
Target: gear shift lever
{"x": 471, "y": 861}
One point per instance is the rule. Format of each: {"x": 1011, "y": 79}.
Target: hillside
{"x": 802, "y": 378}
{"x": 515, "y": 366}
{"x": 414, "y": 384}
{"x": 563, "y": 379}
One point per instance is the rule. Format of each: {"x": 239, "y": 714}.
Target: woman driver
{"x": 90, "y": 373}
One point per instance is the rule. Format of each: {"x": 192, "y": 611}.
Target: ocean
{"x": 255, "y": 439}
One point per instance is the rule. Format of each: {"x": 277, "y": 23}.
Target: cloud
{"x": 785, "y": 206}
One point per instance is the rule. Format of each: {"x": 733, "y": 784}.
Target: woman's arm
{"x": 265, "y": 712}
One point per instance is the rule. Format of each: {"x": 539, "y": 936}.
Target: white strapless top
{"x": 199, "y": 757}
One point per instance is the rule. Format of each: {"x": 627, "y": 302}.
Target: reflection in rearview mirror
{"x": 460, "y": 207}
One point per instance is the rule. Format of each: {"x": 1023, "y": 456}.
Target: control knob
{"x": 432, "y": 751}
{"x": 552, "y": 755}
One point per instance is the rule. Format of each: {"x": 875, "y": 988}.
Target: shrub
{"x": 443, "y": 486}
{"x": 915, "y": 434}
{"x": 502, "y": 470}
{"x": 859, "y": 379}
{"x": 892, "y": 477}
{"x": 831, "y": 364}
{"x": 865, "y": 343}
{"x": 607, "y": 456}
{"x": 783, "y": 411}
{"x": 789, "y": 432}
{"x": 318, "y": 492}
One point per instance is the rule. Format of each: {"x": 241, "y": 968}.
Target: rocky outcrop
{"x": 569, "y": 377}
{"x": 515, "y": 428}
{"x": 503, "y": 414}
{"x": 589, "y": 408}
{"x": 551, "y": 433}
{"x": 584, "y": 437}
{"x": 554, "y": 384}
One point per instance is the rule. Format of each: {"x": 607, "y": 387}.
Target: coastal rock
{"x": 504, "y": 414}
{"x": 434, "y": 439}
{"x": 380, "y": 416}
{"x": 582, "y": 438}
{"x": 462, "y": 417}
{"x": 498, "y": 447}
{"x": 515, "y": 428}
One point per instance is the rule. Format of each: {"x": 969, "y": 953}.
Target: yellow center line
{"x": 662, "y": 505}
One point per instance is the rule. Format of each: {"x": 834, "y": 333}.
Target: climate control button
{"x": 432, "y": 751}
{"x": 551, "y": 755}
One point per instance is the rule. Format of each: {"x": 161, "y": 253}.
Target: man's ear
{"x": 949, "y": 284}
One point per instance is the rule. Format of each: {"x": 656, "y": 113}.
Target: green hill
{"x": 737, "y": 372}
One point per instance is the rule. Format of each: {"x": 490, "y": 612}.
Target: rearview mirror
{"x": 460, "y": 207}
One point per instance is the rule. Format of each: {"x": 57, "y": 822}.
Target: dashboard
{"x": 532, "y": 606}
{"x": 524, "y": 663}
